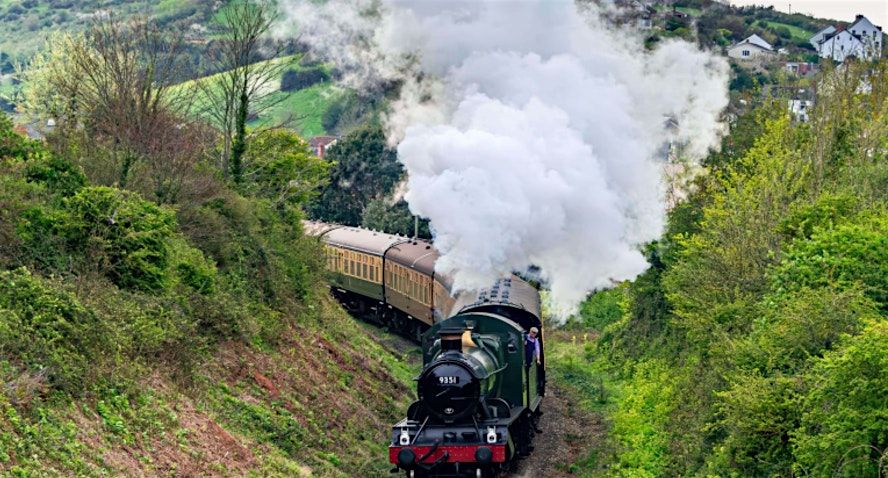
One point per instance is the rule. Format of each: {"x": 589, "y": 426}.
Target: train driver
{"x": 532, "y": 347}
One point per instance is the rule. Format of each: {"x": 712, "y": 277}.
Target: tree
{"x": 117, "y": 114}
{"x": 245, "y": 84}
{"x": 393, "y": 218}
{"x": 279, "y": 166}
{"x": 365, "y": 169}
{"x": 293, "y": 80}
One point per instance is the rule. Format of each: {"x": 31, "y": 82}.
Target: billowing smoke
{"x": 532, "y": 134}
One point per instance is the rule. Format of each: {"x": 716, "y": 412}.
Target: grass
{"x": 798, "y": 34}
{"x": 317, "y": 404}
{"x": 583, "y": 380}
{"x": 301, "y": 110}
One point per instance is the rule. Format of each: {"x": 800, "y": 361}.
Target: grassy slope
{"x": 24, "y": 32}
{"x": 571, "y": 363}
{"x": 301, "y": 110}
{"x": 798, "y": 34}
{"x": 320, "y": 403}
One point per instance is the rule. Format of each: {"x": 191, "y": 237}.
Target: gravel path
{"x": 568, "y": 435}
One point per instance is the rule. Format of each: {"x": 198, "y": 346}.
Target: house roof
{"x": 758, "y": 41}
{"x": 826, "y": 31}
{"x": 838, "y": 33}
{"x": 860, "y": 19}
{"x": 747, "y": 44}
{"x": 321, "y": 141}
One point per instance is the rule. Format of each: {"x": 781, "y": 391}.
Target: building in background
{"x": 861, "y": 39}
{"x": 319, "y": 144}
{"x": 752, "y": 48}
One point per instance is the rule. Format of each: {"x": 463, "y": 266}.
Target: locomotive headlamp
{"x": 491, "y": 434}
{"x": 483, "y": 455}
{"x": 406, "y": 458}
{"x": 404, "y": 438}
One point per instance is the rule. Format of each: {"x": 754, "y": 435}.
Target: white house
{"x": 751, "y": 49}
{"x": 799, "y": 109}
{"x": 861, "y": 39}
{"x": 819, "y": 36}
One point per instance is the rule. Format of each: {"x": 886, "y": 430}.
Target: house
{"x": 800, "y": 68}
{"x": 320, "y": 144}
{"x": 753, "y": 48}
{"x": 819, "y": 36}
{"x": 799, "y": 109}
{"x": 861, "y": 39}
{"x": 644, "y": 22}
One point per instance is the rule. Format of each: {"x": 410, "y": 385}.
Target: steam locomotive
{"x": 480, "y": 388}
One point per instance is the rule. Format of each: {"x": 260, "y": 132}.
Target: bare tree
{"x": 111, "y": 91}
{"x": 246, "y": 82}
{"x": 127, "y": 72}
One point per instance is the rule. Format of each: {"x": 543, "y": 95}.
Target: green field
{"x": 23, "y": 30}
{"x": 302, "y": 110}
{"x": 798, "y": 34}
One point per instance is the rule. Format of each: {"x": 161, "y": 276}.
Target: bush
{"x": 49, "y": 331}
{"x": 845, "y": 255}
{"x": 844, "y": 428}
{"x": 12, "y": 144}
{"x": 58, "y": 175}
{"x": 192, "y": 268}
{"x": 293, "y": 80}
{"x": 125, "y": 235}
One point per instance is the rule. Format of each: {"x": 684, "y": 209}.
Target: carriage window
{"x": 364, "y": 272}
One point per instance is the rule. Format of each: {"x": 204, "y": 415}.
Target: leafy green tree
{"x": 280, "y": 167}
{"x": 720, "y": 274}
{"x": 844, "y": 429}
{"x": 365, "y": 168}
{"x": 12, "y": 144}
{"x": 395, "y": 218}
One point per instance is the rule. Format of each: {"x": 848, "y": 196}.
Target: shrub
{"x": 844, "y": 428}
{"x": 827, "y": 211}
{"x": 58, "y": 175}
{"x": 12, "y": 144}
{"x": 192, "y": 268}
{"x": 48, "y": 330}
{"x": 127, "y": 236}
{"x": 844, "y": 255}
{"x": 293, "y": 80}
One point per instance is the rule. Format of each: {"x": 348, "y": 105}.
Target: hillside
{"x": 756, "y": 343}
{"x": 298, "y": 104}
{"x": 25, "y": 24}
{"x": 141, "y": 340}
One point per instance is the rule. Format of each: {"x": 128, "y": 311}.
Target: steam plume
{"x": 532, "y": 134}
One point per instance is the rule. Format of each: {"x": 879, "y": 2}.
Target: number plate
{"x": 448, "y": 380}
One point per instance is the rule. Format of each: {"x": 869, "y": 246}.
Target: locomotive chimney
{"x": 451, "y": 338}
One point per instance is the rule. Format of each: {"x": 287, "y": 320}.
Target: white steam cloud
{"x": 532, "y": 134}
